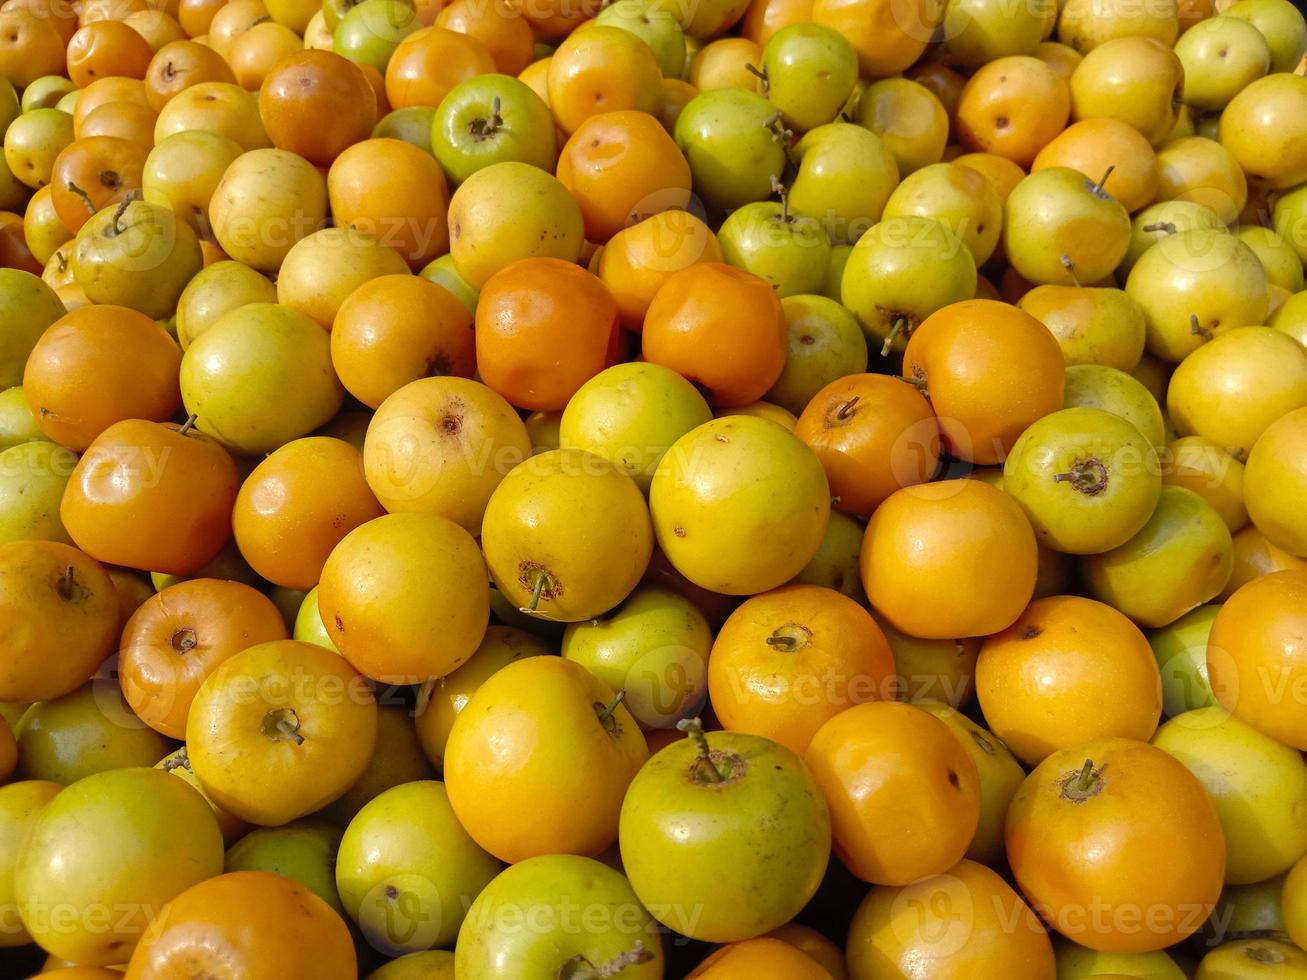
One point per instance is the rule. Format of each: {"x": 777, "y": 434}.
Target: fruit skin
{"x": 215, "y": 290}
{"x": 691, "y": 845}
{"x": 1273, "y": 480}
{"x": 525, "y": 133}
{"x": 789, "y": 251}
{"x": 140, "y": 837}
{"x": 1000, "y": 775}
{"x": 449, "y": 695}
{"x": 1117, "y": 393}
{"x": 20, "y": 803}
{"x": 533, "y": 738}
{"x": 885, "y": 767}
{"x": 1032, "y": 690}
{"x": 747, "y": 957}
{"x": 1234, "y": 387}
{"x": 89, "y": 730}
{"x": 321, "y": 270}
{"x": 959, "y": 197}
{"x": 631, "y": 414}
{"x": 777, "y": 649}
{"x": 544, "y": 327}
{"x": 1137, "y": 80}
{"x": 975, "y": 529}
{"x": 845, "y": 175}
{"x": 904, "y": 269}
{"x": 719, "y": 327}
{"x": 739, "y": 505}
{"x": 149, "y": 496}
{"x": 1061, "y": 227}
{"x": 407, "y": 870}
{"x": 1181, "y": 653}
{"x": 910, "y": 120}
{"x": 733, "y": 154}
{"x": 303, "y": 850}
{"x": 267, "y": 200}
{"x": 1258, "y": 785}
{"x": 1137, "y": 833}
{"x": 810, "y": 72}
{"x": 1258, "y": 127}
{"x": 1233, "y": 958}
{"x": 1180, "y": 559}
{"x": 655, "y": 648}
{"x": 257, "y": 924}
{"x": 1200, "y": 273}
{"x": 564, "y": 565}
{"x": 1253, "y": 659}
{"x": 1282, "y": 25}
{"x": 825, "y": 343}
{"x": 490, "y": 947}
{"x": 33, "y": 476}
{"x": 27, "y": 306}
{"x": 1087, "y": 480}
{"x": 236, "y": 375}
{"x": 405, "y": 597}
{"x": 509, "y": 211}
{"x": 314, "y": 691}
{"x": 59, "y": 608}
{"x": 904, "y": 928}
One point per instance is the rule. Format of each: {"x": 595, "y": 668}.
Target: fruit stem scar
{"x": 483, "y": 129}
{"x": 1083, "y": 783}
{"x": 704, "y": 764}
{"x": 86, "y": 198}
{"x": 1197, "y": 329}
{"x": 580, "y": 968}
{"x": 1088, "y": 476}
{"x": 188, "y": 425}
{"x": 69, "y": 589}
{"x": 185, "y": 640}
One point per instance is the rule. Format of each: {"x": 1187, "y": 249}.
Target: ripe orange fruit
{"x": 951, "y": 559}
{"x": 789, "y": 660}
{"x": 544, "y": 327}
{"x": 989, "y": 370}
{"x": 99, "y": 365}
{"x": 151, "y": 496}
{"x": 874, "y": 435}
{"x": 721, "y": 328}
{"x": 1068, "y": 670}
{"x": 179, "y": 636}
{"x": 623, "y": 167}
{"x": 317, "y": 103}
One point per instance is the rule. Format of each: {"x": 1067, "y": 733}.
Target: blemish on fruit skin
{"x": 679, "y": 531}
{"x": 1030, "y": 632}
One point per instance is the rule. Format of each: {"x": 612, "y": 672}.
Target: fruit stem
{"x": 116, "y": 228}
{"x": 900, "y": 323}
{"x": 694, "y": 728}
{"x": 1070, "y": 268}
{"x": 1163, "y": 226}
{"x": 1098, "y": 188}
{"x": 845, "y": 411}
{"x": 612, "y": 706}
{"x": 541, "y": 579}
{"x": 68, "y": 583}
{"x": 761, "y": 76}
{"x": 86, "y": 198}
{"x": 188, "y": 425}
{"x": 1089, "y": 476}
{"x": 1197, "y": 329}
{"x": 179, "y": 761}
{"x": 483, "y": 128}
{"x": 780, "y": 191}
{"x": 785, "y": 643}
{"x": 579, "y": 967}
{"x": 1086, "y": 776}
